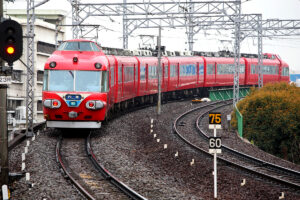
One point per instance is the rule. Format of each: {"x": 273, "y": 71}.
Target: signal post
{"x": 11, "y": 49}
{"x": 215, "y": 143}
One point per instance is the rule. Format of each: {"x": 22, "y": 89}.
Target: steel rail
{"x": 59, "y": 159}
{"x": 108, "y": 176}
{"x": 175, "y": 130}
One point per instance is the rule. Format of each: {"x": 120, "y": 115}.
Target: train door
{"x": 200, "y": 74}
{"x": 122, "y": 86}
{"x": 278, "y": 72}
{"x": 164, "y": 76}
{"x": 111, "y": 92}
{"x": 147, "y": 76}
{"x": 135, "y": 67}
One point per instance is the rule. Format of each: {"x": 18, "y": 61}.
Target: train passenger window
{"x": 136, "y": 73}
{"x": 128, "y": 74}
{"x": 95, "y": 47}
{"x": 242, "y": 68}
{"x": 45, "y": 84}
{"x": 173, "y": 71}
{"x": 201, "y": 69}
{"x": 210, "y": 69}
{"x": 120, "y": 74}
{"x": 143, "y": 73}
{"x": 112, "y": 76}
{"x": 152, "y": 72}
{"x": 285, "y": 71}
{"x": 193, "y": 69}
{"x": 182, "y": 70}
{"x": 104, "y": 81}
{"x": 166, "y": 71}
{"x": 253, "y": 67}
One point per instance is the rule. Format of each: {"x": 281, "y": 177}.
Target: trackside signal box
{"x": 11, "y": 41}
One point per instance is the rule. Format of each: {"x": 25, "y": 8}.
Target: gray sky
{"x": 287, "y": 48}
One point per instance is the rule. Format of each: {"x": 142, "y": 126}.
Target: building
{"x": 46, "y": 35}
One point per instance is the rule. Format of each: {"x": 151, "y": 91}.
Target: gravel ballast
{"x": 130, "y": 152}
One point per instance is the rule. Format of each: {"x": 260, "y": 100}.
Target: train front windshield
{"x": 75, "y": 81}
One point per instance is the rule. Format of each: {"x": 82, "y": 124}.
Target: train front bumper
{"x": 73, "y": 124}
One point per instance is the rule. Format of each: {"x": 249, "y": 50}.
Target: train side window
{"x": 45, "y": 84}
{"x": 172, "y": 70}
{"x": 166, "y": 70}
{"x": 285, "y": 71}
{"x": 193, "y": 69}
{"x": 142, "y": 73}
{"x": 201, "y": 69}
{"x": 120, "y": 74}
{"x": 220, "y": 69}
{"x": 112, "y": 76}
{"x": 104, "y": 82}
{"x": 136, "y": 72}
{"x": 95, "y": 47}
{"x": 182, "y": 70}
{"x": 128, "y": 74}
{"x": 242, "y": 68}
{"x": 210, "y": 69}
{"x": 253, "y": 67}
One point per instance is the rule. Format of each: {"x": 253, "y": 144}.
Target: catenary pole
{"x": 159, "y": 71}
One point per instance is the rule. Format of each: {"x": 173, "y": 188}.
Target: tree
{"x": 271, "y": 119}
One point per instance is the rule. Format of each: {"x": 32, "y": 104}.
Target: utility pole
{"x": 3, "y": 122}
{"x": 159, "y": 71}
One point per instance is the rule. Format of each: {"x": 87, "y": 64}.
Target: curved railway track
{"x": 82, "y": 168}
{"x": 250, "y": 164}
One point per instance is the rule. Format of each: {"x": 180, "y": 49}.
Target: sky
{"x": 288, "y": 47}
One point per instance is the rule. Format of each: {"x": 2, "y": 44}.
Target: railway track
{"x": 80, "y": 165}
{"x": 250, "y": 164}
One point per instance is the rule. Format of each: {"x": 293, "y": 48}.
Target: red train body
{"x": 82, "y": 85}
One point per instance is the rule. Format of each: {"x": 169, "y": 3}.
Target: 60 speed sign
{"x": 215, "y": 143}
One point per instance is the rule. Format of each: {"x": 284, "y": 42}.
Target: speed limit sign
{"x": 215, "y": 143}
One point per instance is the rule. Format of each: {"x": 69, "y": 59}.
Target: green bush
{"x": 271, "y": 119}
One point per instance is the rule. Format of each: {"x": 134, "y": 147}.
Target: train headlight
{"x": 98, "y": 65}
{"x": 52, "y": 103}
{"x": 52, "y": 64}
{"x": 94, "y": 105}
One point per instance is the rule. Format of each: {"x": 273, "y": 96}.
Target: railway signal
{"x": 215, "y": 143}
{"x": 11, "y": 41}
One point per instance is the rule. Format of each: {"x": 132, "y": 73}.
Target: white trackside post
{"x": 215, "y": 167}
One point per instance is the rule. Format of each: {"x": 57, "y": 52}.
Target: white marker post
{"x": 215, "y": 143}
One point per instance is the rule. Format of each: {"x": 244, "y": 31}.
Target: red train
{"x": 83, "y": 86}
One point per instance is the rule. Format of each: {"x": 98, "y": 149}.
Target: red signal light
{"x": 10, "y": 50}
{"x": 91, "y": 104}
{"x": 55, "y": 103}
